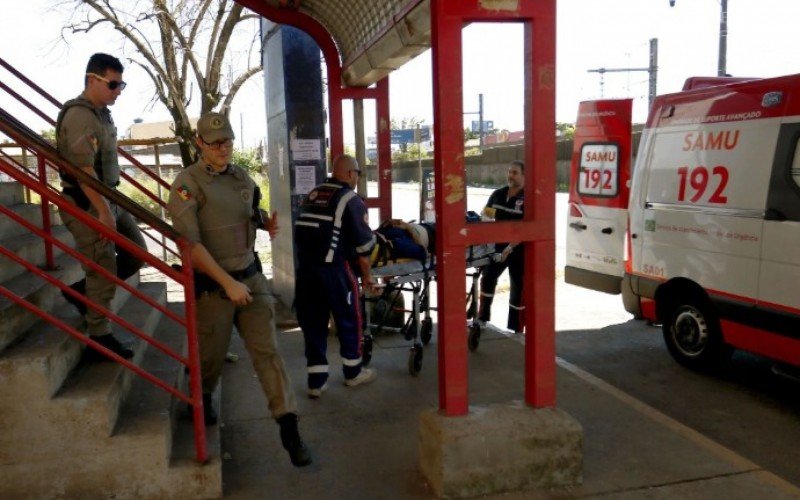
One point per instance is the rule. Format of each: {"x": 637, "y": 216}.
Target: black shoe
{"x": 209, "y": 415}
{"x": 110, "y": 343}
{"x": 80, "y": 287}
{"x": 290, "y": 438}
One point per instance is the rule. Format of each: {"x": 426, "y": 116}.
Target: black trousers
{"x": 514, "y": 263}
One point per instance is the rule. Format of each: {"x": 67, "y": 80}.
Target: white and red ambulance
{"x": 703, "y": 236}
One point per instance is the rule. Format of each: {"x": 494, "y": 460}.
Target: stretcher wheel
{"x": 474, "y": 336}
{"x": 426, "y": 332}
{"x": 366, "y": 350}
{"x": 410, "y": 332}
{"x": 379, "y": 310}
{"x": 472, "y": 310}
{"x": 415, "y": 359}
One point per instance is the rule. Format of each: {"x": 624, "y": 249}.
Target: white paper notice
{"x": 304, "y": 178}
{"x": 306, "y": 149}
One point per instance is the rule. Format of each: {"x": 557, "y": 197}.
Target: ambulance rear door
{"x": 598, "y": 195}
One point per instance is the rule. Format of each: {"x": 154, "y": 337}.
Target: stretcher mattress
{"x": 476, "y": 255}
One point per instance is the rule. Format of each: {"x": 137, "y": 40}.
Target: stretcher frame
{"x": 416, "y": 277}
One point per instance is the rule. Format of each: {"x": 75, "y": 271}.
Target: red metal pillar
{"x": 383, "y": 136}
{"x": 450, "y": 203}
{"x": 536, "y": 229}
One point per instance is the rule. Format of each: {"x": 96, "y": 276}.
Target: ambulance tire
{"x": 693, "y": 336}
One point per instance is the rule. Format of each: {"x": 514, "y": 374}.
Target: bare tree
{"x": 181, "y": 45}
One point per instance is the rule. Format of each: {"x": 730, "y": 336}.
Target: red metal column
{"x": 450, "y": 202}
{"x": 384, "y": 138}
{"x": 539, "y": 280}
{"x": 536, "y": 229}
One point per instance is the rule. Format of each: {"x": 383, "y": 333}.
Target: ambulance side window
{"x": 598, "y": 172}
{"x": 796, "y": 165}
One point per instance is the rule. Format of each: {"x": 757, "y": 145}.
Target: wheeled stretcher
{"x": 416, "y": 276}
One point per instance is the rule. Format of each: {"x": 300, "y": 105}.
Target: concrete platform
{"x": 364, "y": 439}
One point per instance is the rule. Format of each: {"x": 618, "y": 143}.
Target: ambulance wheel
{"x": 415, "y": 359}
{"x": 693, "y": 336}
{"x": 366, "y": 350}
{"x": 474, "y": 338}
{"x": 426, "y": 332}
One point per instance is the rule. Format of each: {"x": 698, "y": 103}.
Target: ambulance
{"x": 702, "y": 235}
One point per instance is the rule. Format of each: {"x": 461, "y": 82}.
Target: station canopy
{"x": 374, "y": 37}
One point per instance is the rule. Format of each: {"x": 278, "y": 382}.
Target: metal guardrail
{"x": 47, "y": 156}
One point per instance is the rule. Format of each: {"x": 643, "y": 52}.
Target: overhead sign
{"x": 487, "y": 126}
{"x": 407, "y": 135}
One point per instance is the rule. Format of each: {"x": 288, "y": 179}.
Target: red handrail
{"x": 52, "y": 122}
{"x": 38, "y": 183}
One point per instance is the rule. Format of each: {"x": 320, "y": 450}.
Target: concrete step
{"x": 16, "y": 319}
{"x": 40, "y": 361}
{"x": 82, "y": 417}
{"x": 32, "y": 213}
{"x": 31, "y": 248}
{"x": 11, "y": 193}
{"x": 140, "y": 460}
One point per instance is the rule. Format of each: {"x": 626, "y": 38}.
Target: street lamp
{"x": 723, "y": 36}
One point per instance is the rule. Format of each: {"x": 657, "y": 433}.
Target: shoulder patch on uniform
{"x": 184, "y": 192}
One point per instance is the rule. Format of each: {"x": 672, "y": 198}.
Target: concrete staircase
{"x": 75, "y": 430}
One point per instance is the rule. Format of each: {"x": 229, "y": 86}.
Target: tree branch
{"x": 237, "y": 84}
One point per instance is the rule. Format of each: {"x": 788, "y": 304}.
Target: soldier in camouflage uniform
{"x": 215, "y": 205}
{"x": 87, "y": 138}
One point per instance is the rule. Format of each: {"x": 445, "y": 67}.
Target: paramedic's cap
{"x": 213, "y": 127}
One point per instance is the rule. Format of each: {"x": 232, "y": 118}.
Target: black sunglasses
{"x": 112, "y": 84}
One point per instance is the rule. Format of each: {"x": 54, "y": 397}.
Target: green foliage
{"x": 567, "y": 130}
{"x": 49, "y": 135}
{"x": 411, "y": 153}
{"x": 262, "y": 180}
{"x": 249, "y": 159}
{"x": 140, "y": 198}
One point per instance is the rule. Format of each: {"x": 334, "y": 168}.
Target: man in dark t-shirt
{"x": 506, "y": 203}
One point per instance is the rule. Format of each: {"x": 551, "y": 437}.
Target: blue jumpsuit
{"x": 330, "y": 232}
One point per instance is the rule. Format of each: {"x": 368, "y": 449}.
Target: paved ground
{"x": 365, "y": 439}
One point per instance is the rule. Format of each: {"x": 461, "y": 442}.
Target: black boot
{"x": 209, "y": 415}
{"x": 290, "y": 438}
{"x": 80, "y": 287}
{"x": 110, "y": 343}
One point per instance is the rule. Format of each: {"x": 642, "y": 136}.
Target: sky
{"x": 762, "y": 41}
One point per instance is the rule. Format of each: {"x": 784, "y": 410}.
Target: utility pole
{"x": 722, "y": 60}
{"x": 480, "y": 119}
{"x": 652, "y": 71}
{"x": 723, "y": 39}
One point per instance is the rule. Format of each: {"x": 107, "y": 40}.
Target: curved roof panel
{"x": 374, "y": 37}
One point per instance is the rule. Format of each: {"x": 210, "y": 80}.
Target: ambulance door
{"x": 598, "y": 195}
{"x": 779, "y": 276}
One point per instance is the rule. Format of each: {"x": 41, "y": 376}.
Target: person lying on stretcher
{"x": 400, "y": 240}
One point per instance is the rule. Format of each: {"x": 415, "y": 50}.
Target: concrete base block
{"x": 500, "y": 448}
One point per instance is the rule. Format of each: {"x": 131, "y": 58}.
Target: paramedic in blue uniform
{"x": 333, "y": 241}
{"x": 214, "y": 204}
{"x": 506, "y": 203}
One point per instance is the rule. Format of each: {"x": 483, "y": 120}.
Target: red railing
{"x": 47, "y": 118}
{"x": 36, "y": 181}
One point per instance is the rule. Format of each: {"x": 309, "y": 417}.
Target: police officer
{"x": 332, "y": 236}
{"x": 506, "y": 203}
{"x": 214, "y": 204}
{"x": 87, "y": 138}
